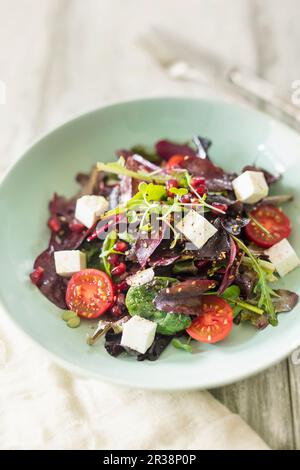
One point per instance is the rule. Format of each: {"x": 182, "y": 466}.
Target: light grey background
{"x": 59, "y": 58}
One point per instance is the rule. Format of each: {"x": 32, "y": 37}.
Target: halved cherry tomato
{"x": 90, "y": 293}
{"x": 174, "y": 161}
{"x": 274, "y": 220}
{"x": 214, "y": 322}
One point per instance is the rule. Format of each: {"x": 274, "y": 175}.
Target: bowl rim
{"x": 135, "y": 383}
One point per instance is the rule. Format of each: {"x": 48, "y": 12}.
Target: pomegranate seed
{"x": 172, "y": 183}
{"x": 186, "y": 199}
{"x": 201, "y": 189}
{"x": 113, "y": 259}
{"x": 116, "y": 311}
{"x": 122, "y": 286}
{"x": 54, "y": 224}
{"x": 221, "y": 207}
{"x": 119, "y": 269}
{"x": 75, "y": 226}
{"x": 37, "y": 275}
{"x": 121, "y": 246}
{"x": 197, "y": 180}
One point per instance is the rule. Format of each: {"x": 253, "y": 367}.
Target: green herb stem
{"x": 247, "y": 306}
{"x": 265, "y": 291}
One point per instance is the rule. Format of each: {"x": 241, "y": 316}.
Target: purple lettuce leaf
{"x": 148, "y": 166}
{"x": 259, "y": 321}
{"x": 184, "y": 297}
{"x": 228, "y": 277}
{"x": 246, "y": 279}
{"x": 157, "y": 347}
{"x": 189, "y": 288}
{"x": 166, "y": 149}
{"x": 215, "y": 177}
{"x": 52, "y": 286}
{"x": 112, "y": 343}
{"x": 234, "y": 225}
{"x": 164, "y": 255}
{"x": 186, "y": 306}
{"x": 286, "y": 301}
{"x": 156, "y": 261}
{"x": 145, "y": 247}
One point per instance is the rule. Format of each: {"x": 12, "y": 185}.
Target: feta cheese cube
{"x": 250, "y": 187}
{"x": 283, "y": 256}
{"x": 138, "y": 334}
{"x": 89, "y": 208}
{"x": 196, "y": 228}
{"x": 68, "y": 262}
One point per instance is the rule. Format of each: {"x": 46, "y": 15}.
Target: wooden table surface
{"x": 60, "y": 58}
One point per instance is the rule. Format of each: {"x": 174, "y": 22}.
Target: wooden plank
{"x": 263, "y": 401}
{"x": 294, "y": 377}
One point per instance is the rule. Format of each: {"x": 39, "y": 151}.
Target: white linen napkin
{"x": 43, "y": 406}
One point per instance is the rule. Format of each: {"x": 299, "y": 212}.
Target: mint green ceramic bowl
{"x": 239, "y": 136}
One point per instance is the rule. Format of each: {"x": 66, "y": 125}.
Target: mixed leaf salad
{"x": 162, "y": 246}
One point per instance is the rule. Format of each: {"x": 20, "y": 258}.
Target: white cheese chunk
{"x": 89, "y": 208}
{"x": 250, "y": 187}
{"x": 68, "y": 262}
{"x": 140, "y": 278}
{"x": 138, "y": 334}
{"x": 196, "y": 228}
{"x": 283, "y": 256}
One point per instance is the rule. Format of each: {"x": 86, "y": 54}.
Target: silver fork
{"x": 184, "y": 61}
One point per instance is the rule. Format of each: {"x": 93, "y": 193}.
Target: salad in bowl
{"x": 163, "y": 247}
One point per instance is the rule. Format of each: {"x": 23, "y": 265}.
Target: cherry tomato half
{"x": 274, "y": 220}
{"x": 214, "y": 322}
{"x": 90, "y": 293}
{"x": 174, "y": 161}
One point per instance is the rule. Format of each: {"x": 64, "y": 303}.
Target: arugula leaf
{"x": 181, "y": 345}
{"x": 232, "y": 292}
{"x": 262, "y": 288}
{"x": 232, "y": 295}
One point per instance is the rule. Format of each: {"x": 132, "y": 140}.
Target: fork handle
{"x": 256, "y": 87}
